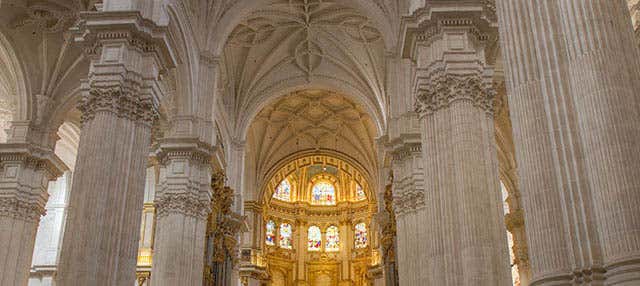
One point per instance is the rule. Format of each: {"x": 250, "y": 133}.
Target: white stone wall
{"x": 49, "y": 236}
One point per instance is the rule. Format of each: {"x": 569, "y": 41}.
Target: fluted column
{"x": 26, "y": 170}
{"x": 455, "y": 98}
{"x": 572, "y": 75}
{"x": 183, "y": 203}
{"x": 604, "y": 87}
{"x": 118, "y": 106}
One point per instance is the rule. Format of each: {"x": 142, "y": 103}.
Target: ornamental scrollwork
{"x": 443, "y": 90}
{"x": 21, "y": 208}
{"x": 122, "y": 103}
{"x": 186, "y": 204}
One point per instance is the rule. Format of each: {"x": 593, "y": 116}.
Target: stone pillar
{"x": 604, "y": 85}
{"x": 455, "y": 94}
{"x": 118, "y": 106}
{"x": 573, "y": 72}
{"x": 26, "y": 170}
{"x": 183, "y": 202}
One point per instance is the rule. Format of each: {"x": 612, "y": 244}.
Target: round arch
{"x": 281, "y": 169}
{"x": 218, "y": 37}
{"x": 14, "y": 66}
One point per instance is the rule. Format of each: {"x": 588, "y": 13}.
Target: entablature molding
{"x": 476, "y": 18}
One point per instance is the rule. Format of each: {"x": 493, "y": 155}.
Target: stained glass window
{"x": 283, "y": 191}
{"x": 315, "y": 238}
{"x": 333, "y": 239}
{"x": 361, "y": 235}
{"x": 323, "y": 193}
{"x": 270, "y": 233}
{"x": 360, "y": 195}
{"x": 285, "y": 235}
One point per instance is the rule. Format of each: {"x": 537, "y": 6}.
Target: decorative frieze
{"x": 445, "y": 89}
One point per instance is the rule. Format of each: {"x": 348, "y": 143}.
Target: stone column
{"x": 573, "y": 71}
{"x": 183, "y": 203}
{"x": 118, "y": 106}
{"x": 26, "y": 170}
{"x": 455, "y": 94}
{"x": 604, "y": 85}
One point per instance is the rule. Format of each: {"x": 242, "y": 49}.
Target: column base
{"x": 561, "y": 279}
{"x": 623, "y": 273}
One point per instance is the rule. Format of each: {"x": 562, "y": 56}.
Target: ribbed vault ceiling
{"x": 307, "y": 120}
{"x": 292, "y": 43}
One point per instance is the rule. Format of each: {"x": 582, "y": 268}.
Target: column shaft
{"x": 103, "y": 228}
{"x": 571, "y": 92}
{"x": 459, "y": 139}
{"x": 604, "y": 86}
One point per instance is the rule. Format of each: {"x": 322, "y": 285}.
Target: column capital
{"x": 128, "y": 54}
{"x": 185, "y": 177}
{"x": 443, "y": 89}
{"x": 26, "y": 172}
{"x": 408, "y": 202}
{"x": 190, "y": 149}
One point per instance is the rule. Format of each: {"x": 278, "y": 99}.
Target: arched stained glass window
{"x": 323, "y": 193}
{"x": 270, "y": 233}
{"x": 315, "y": 238}
{"x": 283, "y": 191}
{"x": 333, "y": 239}
{"x": 285, "y": 235}
{"x": 361, "y": 235}
{"x": 360, "y": 195}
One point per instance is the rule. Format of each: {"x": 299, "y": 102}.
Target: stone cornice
{"x": 183, "y": 148}
{"x": 34, "y": 156}
{"x": 402, "y": 152}
{"x": 94, "y": 28}
{"x": 478, "y": 17}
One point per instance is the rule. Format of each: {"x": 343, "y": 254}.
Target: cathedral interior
{"x": 319, "y": 142}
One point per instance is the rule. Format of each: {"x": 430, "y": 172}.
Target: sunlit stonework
{"x": 319, "y": 142}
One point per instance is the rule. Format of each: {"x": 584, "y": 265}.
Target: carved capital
{"x": 408, "y": 202}
{"x": 445, "y": 89}
{"x": 182, "y": 203}
{"x": 123, "y": 102}
{"x": 26, "y": 171}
